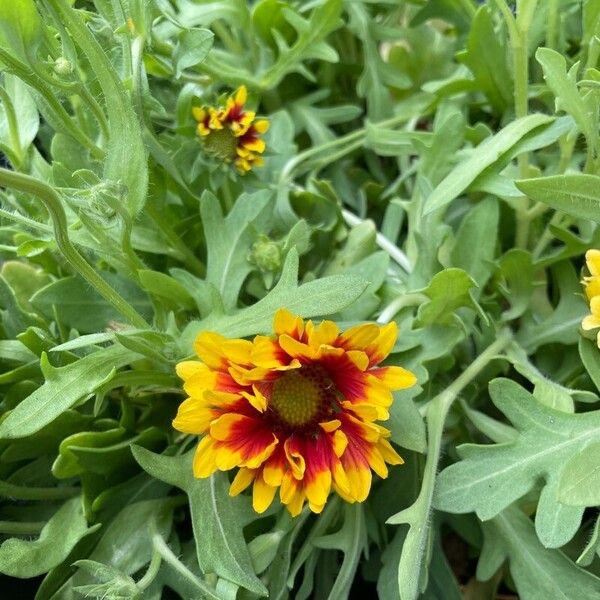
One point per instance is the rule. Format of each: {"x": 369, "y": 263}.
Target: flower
{"x": 232, "y": 133}
{"x": 295, "y": 411}
{"x": 591, "y": 284}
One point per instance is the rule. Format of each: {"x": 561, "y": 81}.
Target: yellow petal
{"x": 592, "y": 259}
{"x": 204, "y": 458}
{"x": 187, "y": 368}
{"x": 243, "y": 478}
{"x": 285, "y": 322}
{"x": 241, "y": 95}
{"x": 261, "y": 126}
{"x": 262, "y": 495}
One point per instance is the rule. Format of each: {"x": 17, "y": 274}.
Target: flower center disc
{"x": 221, "y": 143}
{"x": 301, "y": 397}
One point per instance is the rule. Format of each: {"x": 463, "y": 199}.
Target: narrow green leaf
{"x": 64, "y": 387}
{"x": 576, "y": 194}
{"x": 26, "y": 558}
{"x": 486, "y": 154}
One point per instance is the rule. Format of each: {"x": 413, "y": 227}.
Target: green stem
{"x": 176, "y": 242}
{"x": 396, "y": 305}
{"x": 152, "y": 572}
{"x": 167, "y": 555}
{"x": 51, "y": 201}
{"x": 22, "y": 528}
{"x": 71, "y": 128}
{"x": 395, "y": 253}
{"x": 552, "y": 30}
{"x": 349, "y": 142}
{"x": 13, "y": 128}
{"x": 17, "y": 218}
{"x": 22, "y": 492}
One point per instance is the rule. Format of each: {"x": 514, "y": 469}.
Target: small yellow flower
{"x": 591, "y": 284}
{"x": 295, "y": 411}
{"x": 232, "y": 133}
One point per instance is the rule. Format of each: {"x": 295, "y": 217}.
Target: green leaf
{"x": 20, "y": 27}
{"x": 490, "y": 478}
{"x": 217, "y": 519}
{"x": 579, "y": 484}
{"x": 576, "y": 194}
{"x": 192, "y": 48}
{"x": 562, "y": 326}
{"x": 486, "y": 57}
{"x": 25, "y": 558}
{"x": 320, "y": 297}
{"x": 309, "y": 44}
{"x": 229, "y": 240}
{"x": 449, "y": 290}
{"x": 590, "y": 357}
{"x": 537, "y": 572}
{"x": 564, "y": 87}
{"x": 63, "y": 388}
{"x": 78, "y": 305}
{"x": 166, "y": 288}
{"x": 125, "y": 162}
{"x": 478, "y": 230}
{"x": 485, "y": 155}
{"x": 126, "y": 542}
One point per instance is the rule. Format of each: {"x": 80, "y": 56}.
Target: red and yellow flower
{"x": 296, "y": 411}
{"x": 232, "y": 133}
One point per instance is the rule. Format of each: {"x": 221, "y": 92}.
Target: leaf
{"x": 126, "y": 542}
{"x": 579, "y": 484}
{"x": 490, "y": 478}
{"x": 478, "y": 229}
{"x": 78, "y": 305}
{"x": 351, "y": 539}
{"x": 590, "y": 357}
{"x": 20, "y": 27}
{"x": 567, "y": 95}
{"x": 229, "y": 240}
{"x": 125, "y": 162}
{"x": 485, "y": 155}
{"x": 486, "y": 57}
{"x": 192, "y": 48}
{"x": 309, "y": 43}
{"x": 562, "y": 326}
{"x": 217, "y": 519}
{"x": 63, "y": 388}
{"x": 323, "y": 296}
{"x": 576, "y": 194}
{"x": 28, "y": 120}
{"x": 449, "y": 290}
{"x": 26, "y": 558}
{"x": 166, "y": 288}
{"x": 538, "y": 573}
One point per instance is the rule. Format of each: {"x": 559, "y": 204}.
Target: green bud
{"x": 63, "y": 66}
{"x": 266, "y": 254}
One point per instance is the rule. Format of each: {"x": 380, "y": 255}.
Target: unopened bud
{"x": 63, "y": 66}
{"x": 266, "y": 254}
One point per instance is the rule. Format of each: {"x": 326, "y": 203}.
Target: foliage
{"x": 433, "y": 162}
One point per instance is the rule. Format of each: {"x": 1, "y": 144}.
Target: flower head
{"x": 591, "y": 284}
{"x": 232, "y": 133}
{"x": 296, "y": 411}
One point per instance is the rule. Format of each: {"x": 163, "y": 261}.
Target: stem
{"x": 21, "y": 492}
{"x": 22, "y": 528}
{"x": 152, "y": 572}
{"x": 396, "y": 305}
{"x": 24, "y": 73}
{"x": 51, "y": 200}
{"x": 552, "y": 31}
{"x": 167, "y": 555}
{"x": 178, "y": 245}
{"x": 13, "y": 128}
{"x": 395, "y": 253}
{"x": 352, "y": 141}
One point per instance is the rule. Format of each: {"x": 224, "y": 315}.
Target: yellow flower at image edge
{"x": 592, "y": 291}
{"x": 296, "y": 411}
{"x": 232, "y": 133}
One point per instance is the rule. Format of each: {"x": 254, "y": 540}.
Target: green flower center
{"x": 302, "y": 397}
{"x": 221, "y": 143}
